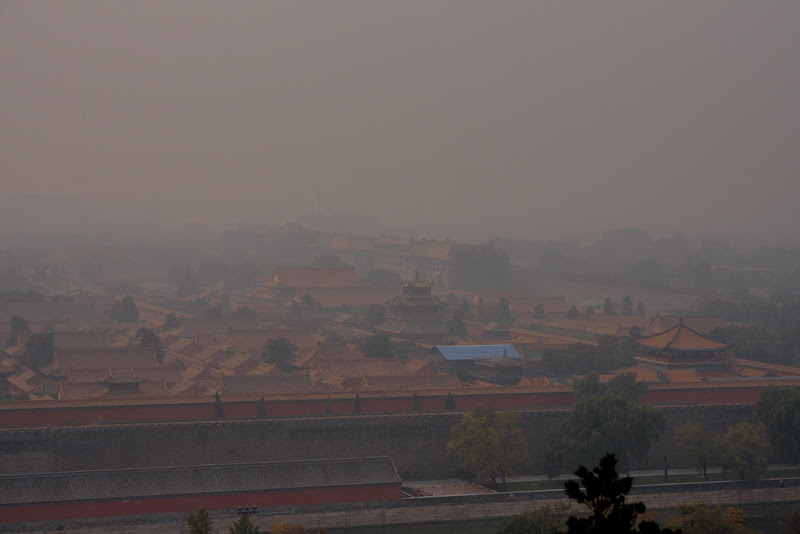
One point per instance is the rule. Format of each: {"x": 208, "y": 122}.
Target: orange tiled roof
{"x": 773, "y": 367}
{"x": 414, "y": 382}
{"x": 643, "y": 373}
{"x": 699, "y": 323}
{"x": 112, "y": 357}
{"x": 361, "y": 367}
{"x": 682, "y": 375}
{"x": 681, "y": 338}
{"x": 327, "y": 351}
{"x": 309, "y": 277}
{"x": 75, "y": 339}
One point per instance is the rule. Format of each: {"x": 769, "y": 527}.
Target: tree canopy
{"x": 243, "y": 526}
{"x": 377, "y": 346}
{"x": 700, "y": 445}
{"x": 604, "y": 494}
{"x": 39, "y": 350}
{"x": 279, "y": 351}
{"x": 779, "y": 411}
{"x": 200, "y": 523}
{"x": 125, "y": 311}
{"x": 488, "y": 443}
{"x": 746, "y": 450}
{"x": 700, "y": 519}
{"x": 611, "y": 421}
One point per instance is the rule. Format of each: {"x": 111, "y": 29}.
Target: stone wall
{"x": 415, "y": 441}
{"x": 437, "y": 509}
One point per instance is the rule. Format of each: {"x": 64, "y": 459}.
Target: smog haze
{"x": 464, "y": 118}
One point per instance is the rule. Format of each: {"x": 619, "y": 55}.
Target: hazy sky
{"x": 520, "y": 118}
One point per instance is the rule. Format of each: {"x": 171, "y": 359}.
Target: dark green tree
{"x": 623, "y": 383}
{"x": 279, "y": 351}
{"x": 604, "y": 494}
{"x": 449, "y": 401}
{"x": 147, "y": 338}
{"x": 39, "y": 350}
{"x": 627, "y": 305}
{"x": 599, "y": 423}
{"x": 200, "y": 523}
{"x": 261, "y": 408}
{"x": 503, "y": 310}
{"x": 635, "y": 332}
{"x": 219, "y": 407}
{"x": 572, "y": 313}
{"x": 538, "y": 311}
{"x": 125, "y": 311}
{"x": 243, "y": 526}
{"x": 245, "y": 312}
{"x": 328, "y": 406}
{"x": 543, "y": 520}
{"x": 640, "y": 308}
{"x": 376, "y": 314}
{"x": 608, "y": 307}
{"x": 171, "y": 321}
{"x": 357, "y": 404}
{"x": 456, "y": 326}
{"x": 18, "y": 324}
{"x": 700, "y": 445}
{"x": 377, "y": 346}
{"x": 415, "y": 402}
{"x": 779, "y": 411}
{"x": 308, "y": 302}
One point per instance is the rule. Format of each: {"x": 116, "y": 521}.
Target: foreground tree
{"x": 700, "y": 445}
{"x": 488, "y": 443}
{"x": 604, "y": 494}
{"x": 543, "y": 520}
{"x": 700, "y": 519}
{"x": 200, "y": 523}
{"x": 746, "y": 450}
{"x": 243, "y": 526}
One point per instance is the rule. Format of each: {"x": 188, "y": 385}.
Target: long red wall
{"x": 190, "y": 503}
{"x": 148, "y": 410}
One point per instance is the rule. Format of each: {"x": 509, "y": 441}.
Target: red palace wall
{"x": 66, "y": 413}
{"x": 160, "y": 505}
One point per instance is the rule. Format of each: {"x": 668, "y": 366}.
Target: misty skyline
{"x": 473, "y": 119}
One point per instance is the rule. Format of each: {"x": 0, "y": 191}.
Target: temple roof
{"x": 681, "y": 338}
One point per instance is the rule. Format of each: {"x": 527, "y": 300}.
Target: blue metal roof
{"x": 478, "y": 352}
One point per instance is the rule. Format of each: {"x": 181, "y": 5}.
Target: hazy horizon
{"x": 538, "y": 120}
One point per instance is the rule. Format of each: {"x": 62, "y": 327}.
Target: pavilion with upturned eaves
{"x": 681, "y": 347}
